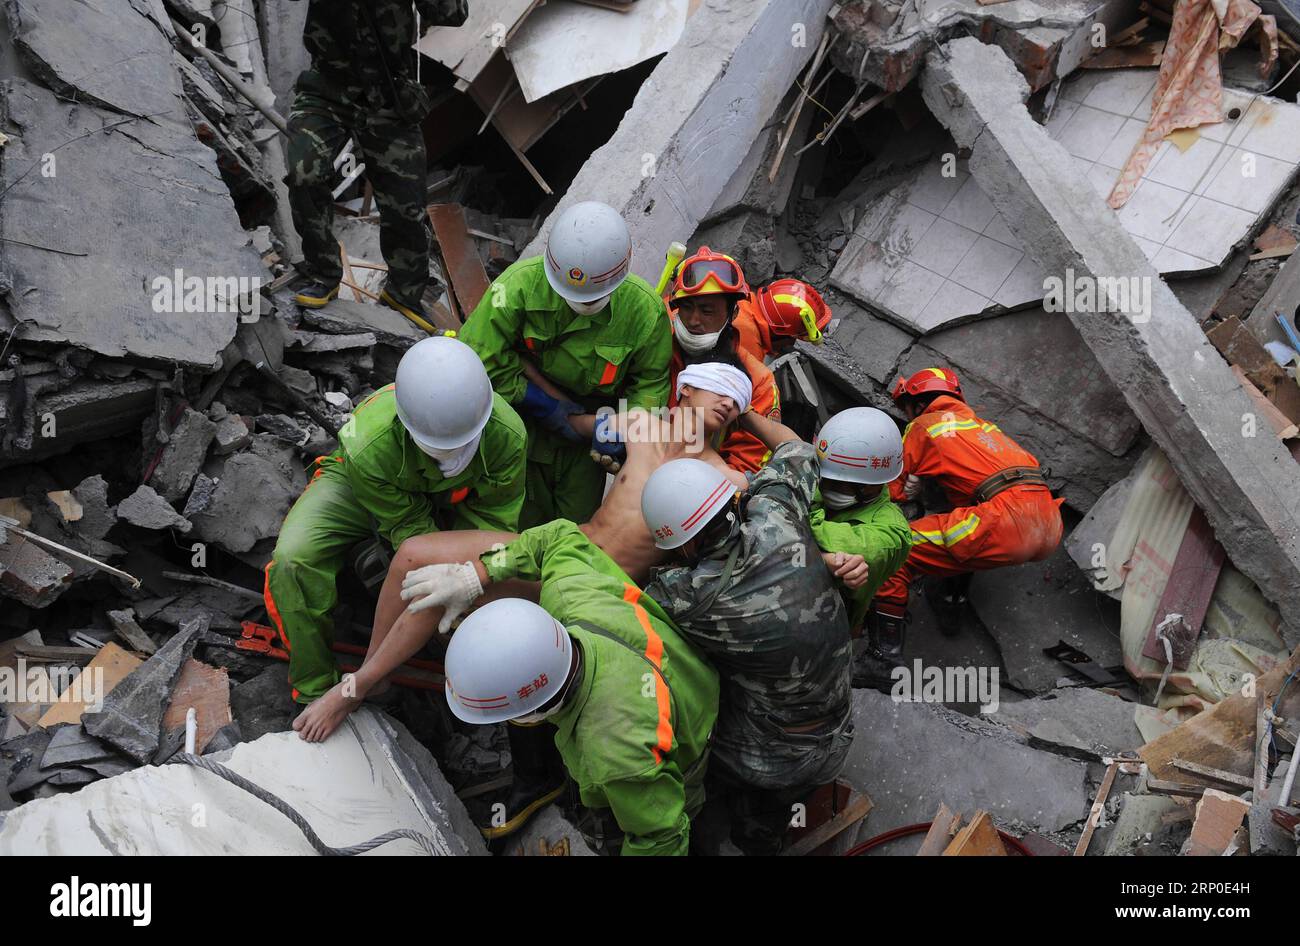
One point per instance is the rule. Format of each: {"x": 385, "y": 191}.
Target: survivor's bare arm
{"x": 773, "y": 433}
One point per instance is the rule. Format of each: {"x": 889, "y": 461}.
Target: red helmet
{"x": 707, "y": 273}
{"x": 928, "y": 379}
{"x": 794, "y": 309}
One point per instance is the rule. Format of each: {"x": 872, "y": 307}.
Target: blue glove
{"x": 607, "y": 446}
{"x": 552, "y": 413}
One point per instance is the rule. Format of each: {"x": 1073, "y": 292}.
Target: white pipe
{"x": 191, "y": 729}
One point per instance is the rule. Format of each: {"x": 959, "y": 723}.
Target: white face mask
{"x": 588, "y": 308}
{"x": 835, "y": 500}
{"x": 454, "y": 460}
{"x": 695, "y": 344}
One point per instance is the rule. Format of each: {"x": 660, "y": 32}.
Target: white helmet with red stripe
{"x": 860, "y": 445}
{"x": 681, "y": 497}
{"x": 506, "y": 660}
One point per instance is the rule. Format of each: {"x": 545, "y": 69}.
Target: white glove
{"x": 911, "y": 486}
{"x": 454, "y": 587}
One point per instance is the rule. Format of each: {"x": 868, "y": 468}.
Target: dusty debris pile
{"x": 953, "y": 184}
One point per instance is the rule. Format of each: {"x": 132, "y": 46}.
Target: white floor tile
{"x": 1231, "y": 185}
{"x": 970, "y": 207}
{"x": 1210, "y": 229}
{"x": 986, "y": 266}
{"x": 997, "y": 229}
{"x": 1025, "y": 284}
{"x": 909, "y": 288}
{"x": 931, "y": 191}
{"x": 1124, "y": 90}
{"x": 1116, "y": 154}
{"x": 1089, "y": 131}
{"x": 943, "y": 246}
{"x": 1146, "y": 211}
{"x": 950, "y": 302}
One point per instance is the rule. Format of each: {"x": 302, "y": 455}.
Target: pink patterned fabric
{"x": 1189, "y": 91}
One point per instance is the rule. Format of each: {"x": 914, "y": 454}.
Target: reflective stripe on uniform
{"x": 951, "y": 426}
{"x": 949, "y": 536}
{"x": 654, "y": 651}
{"x": 611, "y": 373}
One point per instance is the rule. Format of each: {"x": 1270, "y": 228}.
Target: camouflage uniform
{"x": 765, "y": 610}
{"x": 361, "y": 89}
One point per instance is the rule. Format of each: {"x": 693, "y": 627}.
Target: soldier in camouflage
{"x": 362, "y": 85}
{"x": 757, "y": 598}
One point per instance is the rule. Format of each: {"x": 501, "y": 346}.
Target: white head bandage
{"x": 720, "y": 379}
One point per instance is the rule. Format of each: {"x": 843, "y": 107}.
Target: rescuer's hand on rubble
{"x": 850, "y": 569}
{"x": 453, "y": 587}
{"x": 911, "y": 486}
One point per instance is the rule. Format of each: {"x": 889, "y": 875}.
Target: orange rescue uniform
{"x": 755, "y": 333}
{"x": 1020, "y": 524}
{"x": 739, "y": 449}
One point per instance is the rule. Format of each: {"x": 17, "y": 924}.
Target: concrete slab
{"x": 91, "y": 231}
{"x": 1078, "y": 721}
{"x": 368, "y": 778}
{"x": 1157, "y": 355}
{"x": 250, "y": 501}
{"x": 909, "y": 757}
{"x": 1147, "y": 824}
{"x": 1038, "y": 604}
{"x": 693, "y": 121}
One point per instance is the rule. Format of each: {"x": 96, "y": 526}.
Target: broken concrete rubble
{"x": 148, "y": 510}
{"x": 131, "y": 718}
{"x": 1173, "y": 380}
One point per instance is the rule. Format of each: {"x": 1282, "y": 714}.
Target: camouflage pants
{"x": 394, "y": 155}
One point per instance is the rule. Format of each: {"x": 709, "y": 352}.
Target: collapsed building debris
{"x": 882, "y": 151}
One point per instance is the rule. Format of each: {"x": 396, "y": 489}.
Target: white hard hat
{"x": 860, "y": 445}
{"x": 588, "y": 252}
{"x": 444, "y": 396}
{"x": 506, "y": 660}
{"x": 681, "y": 497}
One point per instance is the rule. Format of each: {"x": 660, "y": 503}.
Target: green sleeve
{"x": 651, "y": 810}
{"x": 883, "y": 547}
{"x": 523, "y": 557}
{"x": 398, "y": 514}
{"x": 648, "y": 374}
{"x": 493, "y": 330}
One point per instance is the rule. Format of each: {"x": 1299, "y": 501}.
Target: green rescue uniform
{"x": 634, "y": 738}
{"x": 876, "y": 530}
{"x": 379, "y": 481}
{"x": 620, "y": 352}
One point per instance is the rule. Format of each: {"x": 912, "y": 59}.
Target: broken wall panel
{"x": 1174, "y": 381}
{"x": 693, "y": 121}
{"x": 94, "y": 214}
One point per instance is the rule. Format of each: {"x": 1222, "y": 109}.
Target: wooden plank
{"x": 1236, "y": 343}
{"x": 945, "y": 824}
{"x": 1187, "y": 592}
{"x": 1284, "y": 428}
{"x": 114, "y": 663}
{"x": 205, "y": 688}
{"x": 1127, "y": 57}
{"x": 44, "y": 654}
{"x": 1218, "y": 816}
{"x": 1217, "y": 775}
{"x": 857, "y": 808}
{"x": 1098, "y": 805}
{"x": 463, "y": 266}
{"x": 978, "y": 839}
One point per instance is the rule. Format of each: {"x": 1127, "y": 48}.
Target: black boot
{"x": 948, "y": 598}
{"x": 315, "y": 293}
{"x": 884, "y": 651}
{"x": 538, "y": 778}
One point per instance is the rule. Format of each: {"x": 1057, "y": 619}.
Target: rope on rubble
{"x": 234, "y": 778}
